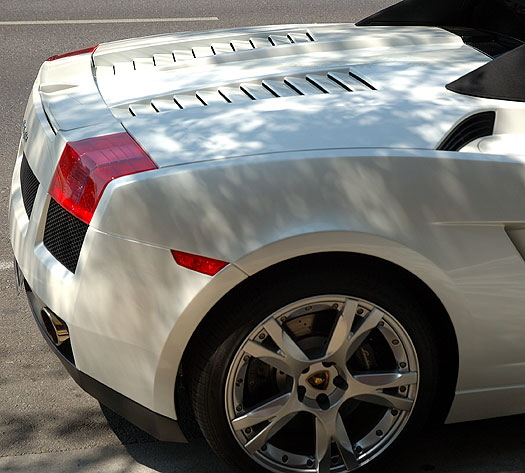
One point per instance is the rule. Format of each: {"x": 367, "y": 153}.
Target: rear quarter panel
{"x": 440, "y": 215}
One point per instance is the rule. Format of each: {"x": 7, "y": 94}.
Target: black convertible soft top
{"x": 504, "y": 77}
{"x": 499, "y": 16}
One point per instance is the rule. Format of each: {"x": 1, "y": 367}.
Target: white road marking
{"x": 4, "y": 265}
{"x": 109, "y": 21}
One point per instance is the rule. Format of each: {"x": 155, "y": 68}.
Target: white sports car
{"x": 317, "y": 230}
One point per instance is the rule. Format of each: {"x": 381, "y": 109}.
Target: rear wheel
{"x": 314, "y": 375}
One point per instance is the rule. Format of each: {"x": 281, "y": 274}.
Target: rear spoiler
{"x": 499, "y": 16}
{"x": 504, "y": 77}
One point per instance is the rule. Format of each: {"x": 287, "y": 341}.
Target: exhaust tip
{"x": 55, "y": 327}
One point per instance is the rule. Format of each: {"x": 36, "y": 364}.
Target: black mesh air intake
{"x": 29, "y": 186}
{"x": 470, "y": 129}
{"x": 64, "y": 235}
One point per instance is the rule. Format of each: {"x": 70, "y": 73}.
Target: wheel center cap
{"x": 319, "y": 380}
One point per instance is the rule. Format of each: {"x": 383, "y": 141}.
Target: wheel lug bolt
{"x": 340, "y": 383}
{"x": 285, "y": 458}
{"x": 402, "y": 364}
{"x": 323, "y": 401}
{"x": 309, "y": 462}
{"x": 402, "y": 389}
{"x": 246, "y": 358}
{"x": 262, "y": 336}
{"x": 358, "y": 449}
{"x": 379, "y": 433}
{"x": 335, "y": 460}
{"x": 381, "y": 324}
{"x": 283, "y": 319}
{"x": 238, "y": 408}
{"x": 360, "y": 311}
{"x": 248, "y": 430}
{"x": 394, "y": 412}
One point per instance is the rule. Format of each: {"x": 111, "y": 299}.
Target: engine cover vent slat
{"x": 142, "y": 109}
{"x": 299, "y": 38}
{"x": 348, "y": 81}
{"x": 187, "y": 101}
{"x": 470, "y": 129}
{"x": 241, "y": 45}
{"x": 325, "y": 84}
{"x": 163, "y": 59}
{"x": 279, "y": 89}
{"x": 143, "y": 63}
{"x": 182, "y": 55}
{"x": 302, "y": 86}
{"x": 123, "y": 67}
{"x": 260, "y": 42}
{"x": 165, "y": 105}
{"x": 200, "y": 51}
{"x": 221, "y": 48}
{"x": 208, "y": 97}
{"x": 256, "y": 91}
{"x": 277, "y": 40}
{"x": 234, "y": 94}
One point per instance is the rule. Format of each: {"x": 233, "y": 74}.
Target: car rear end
{"x": 90, "y": 292}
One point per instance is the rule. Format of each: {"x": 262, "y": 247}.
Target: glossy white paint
{"x": 258, "y": 182}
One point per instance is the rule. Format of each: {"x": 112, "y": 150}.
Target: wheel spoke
{"x": 323, "y": 441}
{"x": 369, "y": 388}
{"x": 276, "y": 424}
{"x": 342, "y": 327}
{"x": 369, "y": 323}
{"x": 270, "y": 357}
{"x": 391, "y": 379}
{"x": 290, "y": 359}
{"x": 345, "y": 445}
{"x": 286, "y": 345}
{"x": 273, "y": 409}
{"x": 387, "y": 400}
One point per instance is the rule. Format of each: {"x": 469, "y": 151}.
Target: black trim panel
{"x": 491, "y": 15}
{"x": 157, "y": 425}
{"x": 64, "y": 235}
{"x": 474, "y": 127}
{"x": 502, "y": 79}
{"x": 28, "y": 185}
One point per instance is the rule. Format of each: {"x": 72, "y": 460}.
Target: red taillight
{"x": 91, "y": 49}
{"x": 86, "y": 167}
{"x": 198, "y": 263}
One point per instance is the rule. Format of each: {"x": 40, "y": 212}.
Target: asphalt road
{"x": 46, "y": 421}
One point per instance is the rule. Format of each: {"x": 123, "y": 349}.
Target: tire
{"x": 321, "y": 372}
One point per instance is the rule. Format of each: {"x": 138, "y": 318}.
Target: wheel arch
{"x": 437, "y": 314}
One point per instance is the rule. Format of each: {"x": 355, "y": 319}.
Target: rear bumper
{"x": 157, "y": 425}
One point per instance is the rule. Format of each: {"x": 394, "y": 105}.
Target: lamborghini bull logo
{"x": 319, "y": 380}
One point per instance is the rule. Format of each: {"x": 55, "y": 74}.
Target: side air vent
{"x": 29, "y": 186}
{"x": 317, "y": 83}
{"x": 64, "y": 235}
{"x": 470, "y": 129}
